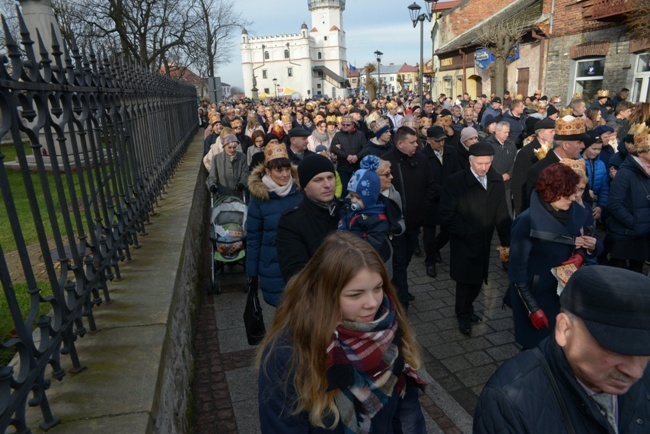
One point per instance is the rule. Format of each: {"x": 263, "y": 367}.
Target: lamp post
{"x": 416, "y": 16}
{"x": 275, "y": 85}
{"x": 378, "y": 55}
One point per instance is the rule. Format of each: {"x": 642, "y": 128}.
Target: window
{"x": 589, "y": 77}
{"x": 266, "y": 90}
{"x": 641, "y": 88}
{"x": 266, "y": 55}
{"x": 290, "y": 72}
{"x": 286, "y": 54}
{"x": 320, "y": 55}
{"x": 264, "y": 75}
{"x": 392, "y": 79}
{"x": 318, "y": 86}
{"x": 325, "y": 38}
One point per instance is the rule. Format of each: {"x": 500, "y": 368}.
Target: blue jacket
{"x": 264, "y": 213}
{"x": 398, "y": 415}
{"x": 598, "y": 181}
{"x": 629, "y": 202}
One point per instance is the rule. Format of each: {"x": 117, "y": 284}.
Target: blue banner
{"x": 515, "y": 54}
{"x": 483, "y": 58}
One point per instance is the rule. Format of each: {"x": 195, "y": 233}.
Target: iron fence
{"x": 102, "y": 140}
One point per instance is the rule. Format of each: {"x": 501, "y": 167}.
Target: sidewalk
{"x": 225, "y": 389}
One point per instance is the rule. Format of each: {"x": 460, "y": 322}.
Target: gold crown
{"x": 286, "y": 118}
{"x": 444, "y": 121}
{"x": 520, "y": 97}
{"x": 577, "y": 95}
{"x": 339, "y": 119}
{"x": 318, "y": 118}
{"x": 309, "y": 106}
{"x": 566, "y": 112}
{"x": 379, "y": 124}
{"x": 425, "y": 122}
{"x": 569, "y": 126}
{"x": 641, "y": 134}
{"x": 331, "y": 120}
{"x": 468, "y": 111}
{"x": 603, "y": 93}
{"x": 273, "y": 151}
{"x": 578, "y": 166}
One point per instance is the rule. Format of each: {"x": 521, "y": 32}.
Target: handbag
{"x": 253, "y": 318}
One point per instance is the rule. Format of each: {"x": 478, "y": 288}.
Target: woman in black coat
{"x": 471, "y": 212}
{"x": 544, "y": 236}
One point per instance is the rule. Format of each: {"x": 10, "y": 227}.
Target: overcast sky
{"x": 370, "y": 25}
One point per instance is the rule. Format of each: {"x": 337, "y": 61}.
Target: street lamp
{"x": 378, "y": 55}
{"x": 416, "y": 16}
{"x": 275, "y": 85}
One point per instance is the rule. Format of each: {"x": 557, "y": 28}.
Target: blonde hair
{"x": 309, "y": 314}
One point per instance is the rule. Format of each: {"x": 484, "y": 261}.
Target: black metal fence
{"x": 95, "y": 142}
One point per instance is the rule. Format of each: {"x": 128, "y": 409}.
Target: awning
{"x": 334, "y": 76}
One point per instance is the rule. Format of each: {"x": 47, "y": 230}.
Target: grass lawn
{"x": 6, "y": 323}
{"x": 25, "y": 217}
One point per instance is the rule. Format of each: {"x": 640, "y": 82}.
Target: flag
{"x": 352, "y": 67}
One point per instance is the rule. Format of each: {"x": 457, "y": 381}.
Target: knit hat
{"x": 311, "y": 166}
{"x": 268, "y": 137}
{"x": 603, "y": 129}
{"x": 229, "y": 138}
{"x": 489, "y": 119}
{"x": 467, "y": 133}
{"x": 545, "y": 124}
{"x": 365, "y": 181}
{"x": 551, "y": 110}
{"x": 481, "y": 149}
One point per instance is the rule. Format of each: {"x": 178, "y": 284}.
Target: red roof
{"x": 408, "y": 68}
{"x": 445, "y": 6}
{"x": 334, "y": 28}
{"x": 182, "y": 73}
{"x": 314, "y": 29}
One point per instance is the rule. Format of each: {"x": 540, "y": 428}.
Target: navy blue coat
{"x": 264, "y": 213}
{"x": 398, "y": 415}
{"x": 629, "y": 205}
{"x": 539, "y": 242}
{"x": 519, "y": 399}
{"x": 598, "y": 181}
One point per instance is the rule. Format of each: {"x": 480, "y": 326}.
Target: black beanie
{"x": 311, "y": 166}
{"x": 551, "y": 110}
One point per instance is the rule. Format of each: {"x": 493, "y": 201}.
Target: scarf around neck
{"x": 273, "y": 187}
{"x": 364, "y": 361}
{"x": 321, "y": 137}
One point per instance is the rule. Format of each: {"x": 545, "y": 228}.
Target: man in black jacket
{"x": 590, "y": 376}
{"x": 413, "y": 179}
{"x": 472, "y": 205}
{"x": 346, "y": 145}
{"x": 302, "y": 229}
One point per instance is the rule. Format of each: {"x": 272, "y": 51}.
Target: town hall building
{"x": 308, "y": 64}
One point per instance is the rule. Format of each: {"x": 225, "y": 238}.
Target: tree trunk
{"x": 499, "y": 75}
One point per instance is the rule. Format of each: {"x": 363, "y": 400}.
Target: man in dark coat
{"x": 516, "y": 118}
{"x": 413, "y": 179}
{"x": 569, "y": 143}
{"x": 590, "y": 375}
{"x": 444, "y": 161}
{"x": 297, "y": 147}
{"x": 526, "y": 157}
{"x": 472, "y": 205}
{"x": 346, "y": 145}
{"x": 302, "y": 229}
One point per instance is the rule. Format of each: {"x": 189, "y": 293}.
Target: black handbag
{"x": 253, "y": 318}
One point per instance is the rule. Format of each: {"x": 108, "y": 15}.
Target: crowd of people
{"x": 344, "y": 193}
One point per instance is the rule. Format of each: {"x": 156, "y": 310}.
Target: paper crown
{"x": 379, "y": 124}
{"x": 347, "y": 118}
{"x": 318, "y": 118}
{"x": 339, "y": 119}
{"x": 444, "y": 121}
{"x": 310, "y": 106}
{"x": 426, "y": 122}
{"x": 331, "y": 120}
{"x": 569, "y": 128}
{"x": 566, "y": 112}
{"x": 273, "y": 151}
{"x": 603, "y": 93}
{"x": 468, "y": 111}
{"x": 541, "y": 152}
{"x": 410, "y": 121}
{"x": 391, "y": 105}
{"x": 577, "y": 95}
{"x": 520, "y": 96}
{"x": 578, "y": 166}
{"x": 641, "y": 134}
{"x": 285, "y": 118}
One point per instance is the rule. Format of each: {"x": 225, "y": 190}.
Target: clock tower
{"x": 326, "y": 14}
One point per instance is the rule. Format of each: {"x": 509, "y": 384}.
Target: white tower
{"x": 328, "y": 49}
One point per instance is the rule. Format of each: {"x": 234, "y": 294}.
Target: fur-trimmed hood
{"x": 258, "y": 189}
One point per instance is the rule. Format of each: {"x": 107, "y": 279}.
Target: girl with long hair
{"x": 340, "y": 355}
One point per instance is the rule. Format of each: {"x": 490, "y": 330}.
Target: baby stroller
{"x": 228, "y": 238}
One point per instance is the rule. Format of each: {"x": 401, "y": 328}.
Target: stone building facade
{"x": 306, "y": 64}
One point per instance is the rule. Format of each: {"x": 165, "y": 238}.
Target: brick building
{"x": 572, "y": 46}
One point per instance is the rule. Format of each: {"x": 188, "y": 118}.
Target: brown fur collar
{"x": 257, "y": 187}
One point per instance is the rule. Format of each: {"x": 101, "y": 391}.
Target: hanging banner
{"x": 515, "y": 54}
{"x": 483, "y": 58}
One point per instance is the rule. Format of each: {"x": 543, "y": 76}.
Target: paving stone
{"x": 478, "y": 358}
{"x": 503, "y": 352}
{"x": 457, "y": 363}
{"x": 477, "y": 375}
{"x": 500, "y": 338}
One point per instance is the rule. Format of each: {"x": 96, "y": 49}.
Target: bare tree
{"x": 213, "y": 39}
{"x": 638, "y": 22}
{"x": 501, "y": 40}
{"x": 370, "y": 82}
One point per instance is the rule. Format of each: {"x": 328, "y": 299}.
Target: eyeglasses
{"x": 346, "y": 125}
{"x": 387, "y": 174}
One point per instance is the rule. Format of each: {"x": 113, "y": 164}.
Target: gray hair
{"x": 502, "y": 125}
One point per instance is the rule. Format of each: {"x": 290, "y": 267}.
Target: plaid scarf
{"x": 364, "y": 361}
